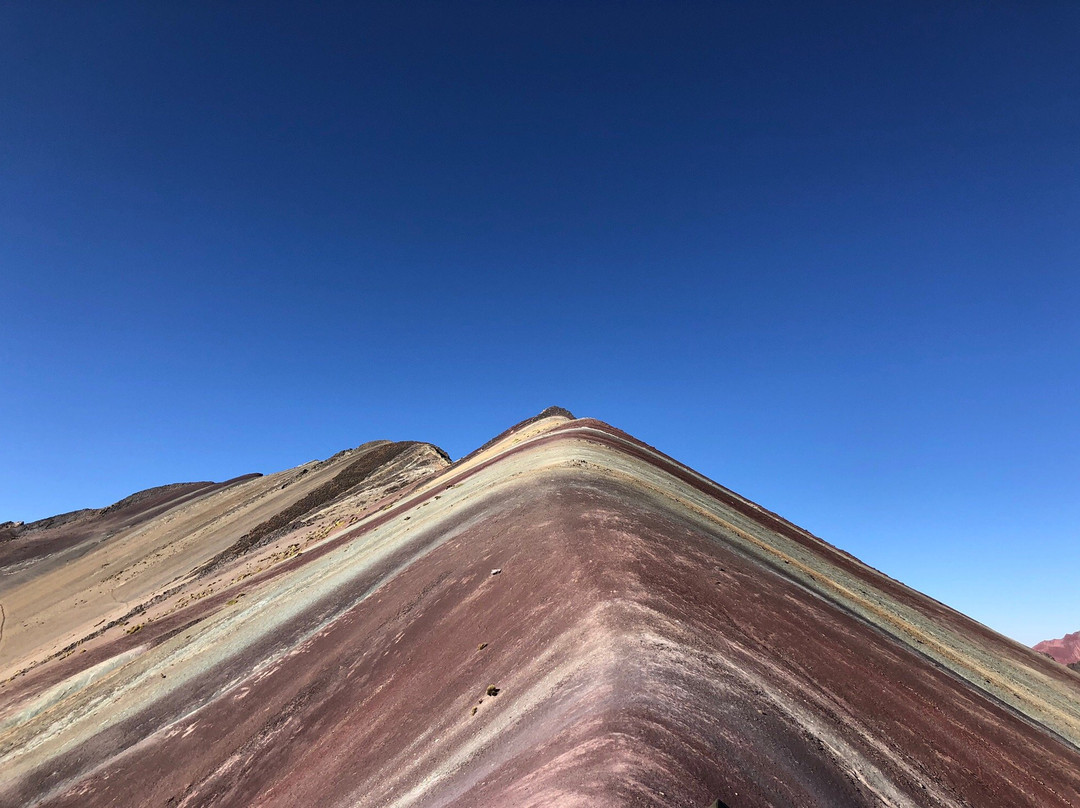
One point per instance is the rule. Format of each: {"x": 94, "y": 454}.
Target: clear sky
{"x": 826, "y": 253}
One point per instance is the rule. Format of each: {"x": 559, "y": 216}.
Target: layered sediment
{"x": 564, "y": 617}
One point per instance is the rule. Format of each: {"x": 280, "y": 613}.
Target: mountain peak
{"x": 1065, "y": 650}
{"x": 565, "y": 616}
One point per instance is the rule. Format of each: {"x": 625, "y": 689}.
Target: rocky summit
{"x": 565, "y": 617}
{"x": 1065, "y": 650}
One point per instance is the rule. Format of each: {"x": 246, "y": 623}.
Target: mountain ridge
{"x": 1065, "y": 650}
{"x": 564, "y": 616}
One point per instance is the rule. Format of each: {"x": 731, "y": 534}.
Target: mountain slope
{"x": 565, "y": 617}
{"x": 1065, "y": 650}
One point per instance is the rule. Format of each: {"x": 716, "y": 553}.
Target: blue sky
{"x": 827, "y": 254}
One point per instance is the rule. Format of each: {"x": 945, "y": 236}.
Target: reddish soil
{"x": 641, "y": 659}
{"x": 1066, "y": 650}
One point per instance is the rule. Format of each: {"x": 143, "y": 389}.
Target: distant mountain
{"x": 566, "y": 617}
{"x": 1066, "y": 650}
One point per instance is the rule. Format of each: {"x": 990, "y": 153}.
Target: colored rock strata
{"x": 1066, "y": 650}
{"x": 564, "y": 617}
